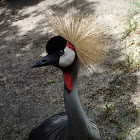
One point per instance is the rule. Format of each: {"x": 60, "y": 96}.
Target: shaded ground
{"x": 111, "y": 96}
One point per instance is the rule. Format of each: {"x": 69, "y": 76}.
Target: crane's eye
{"x": 61, "y": 52}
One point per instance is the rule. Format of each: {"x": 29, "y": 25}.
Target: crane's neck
{"x": 76, "y": 115}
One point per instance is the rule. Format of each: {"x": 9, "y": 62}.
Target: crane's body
{"x": 75, "y": 43}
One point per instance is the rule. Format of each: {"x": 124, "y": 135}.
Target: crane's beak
{"x": 52, "y": 59}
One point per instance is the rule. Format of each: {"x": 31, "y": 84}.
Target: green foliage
{"x": 108, "y": 108}
{"x": 17, "y": 92}
{"x": 131, "y": 62}
{"x": 133, "y": 23}
{"x": 118, "y": 87}
{"x": 50, "y": 81}
{"x": 137, "y": 3}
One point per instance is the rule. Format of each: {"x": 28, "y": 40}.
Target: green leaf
{"x": 50, "y": 81}
{"x": 17, "y": 92}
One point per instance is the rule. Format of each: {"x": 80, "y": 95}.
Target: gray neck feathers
{"x": 76, "y": 116}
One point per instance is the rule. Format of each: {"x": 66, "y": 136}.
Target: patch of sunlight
{"x": 26, "y": 48}
{"x": 19, "y": 55}
{"x": 2, "y": 22}
{"x": 2, "y": 47}
{"x": 134, "y": 134}
{"x": 26, "y": 22}
{"x": 136, "y": 99}
{"x": 43, "y": 54}
{"x": 2, "y": 33}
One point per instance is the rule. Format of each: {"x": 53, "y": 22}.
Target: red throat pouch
{"x": 68, "y": 80}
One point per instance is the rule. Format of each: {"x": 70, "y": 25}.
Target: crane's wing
{"x": 53, "y": 128}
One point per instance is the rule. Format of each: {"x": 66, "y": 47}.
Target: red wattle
{"x": 68, "y": 80}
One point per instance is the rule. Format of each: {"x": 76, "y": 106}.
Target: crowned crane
{"x": 76, "y": 44}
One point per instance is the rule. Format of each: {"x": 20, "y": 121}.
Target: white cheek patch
{"x": 67, "y": 58}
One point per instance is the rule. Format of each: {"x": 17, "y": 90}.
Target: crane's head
{"x": 61, "y": 54}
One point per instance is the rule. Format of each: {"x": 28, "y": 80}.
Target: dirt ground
{"x": 111, "y": 96}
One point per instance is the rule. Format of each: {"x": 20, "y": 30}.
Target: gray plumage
{"x": 54, "y": 128}
{"x": 57, "y": 128}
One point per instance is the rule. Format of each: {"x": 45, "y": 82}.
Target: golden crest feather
{"x": 82, "y": 31}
